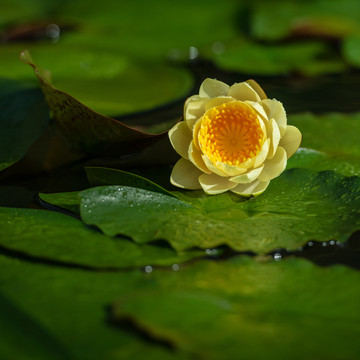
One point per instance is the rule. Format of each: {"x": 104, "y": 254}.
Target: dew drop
{"x": 175, "y": 267}
{"x": 148, "y": 269}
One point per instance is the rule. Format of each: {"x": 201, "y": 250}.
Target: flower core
{"x": 230, "y": 133}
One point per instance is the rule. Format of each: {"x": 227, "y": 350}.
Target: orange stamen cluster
{"x": 230, "y": 133}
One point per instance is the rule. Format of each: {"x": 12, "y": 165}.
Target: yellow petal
{"x": 196, "y": 159}
{"x": 274, "y": 135}
{"x": 291, "y": 140}
{"x": 275, "y": 109}
{"x": 214, "y": 184}
{"x": 217, "y": 101}
{"x": 254, "y": 188}
{"x": 257, "y": 88}
{"x": 180, "y": 137}
{"x": 243, "y": 91}
{"x": 212, "y": 167}
{"x": 258, "y": 108}
{"x": 233, "y": 170}
{"x": 196, "y": 129}
{"x": 248, "y": 176}
{"x": 185, "y": 175}
{"x": 211, "y": 88}
{"x": 194, "y": 108}
{"x": 261, "y": 157}
{"x": 275, "y": 166}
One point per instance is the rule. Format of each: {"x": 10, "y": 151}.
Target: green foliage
{"x": 330, "y": 142}
{"x": 56, "y": 237}
{"x": 298, "y": 206}
{"x": 118, "y": 270}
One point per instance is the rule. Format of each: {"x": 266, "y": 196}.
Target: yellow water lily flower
{"x": 231, "y": 138}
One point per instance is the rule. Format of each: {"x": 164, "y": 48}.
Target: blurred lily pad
{"x": 250, "y": 310}
{"x": 274, "y": 20}
{"x": 61, "y": 238}
{"x": 351, "y": 50}
{"x": 37, "y": 342}
{"x": 330, "y": 142}
{"x": 287, "y": 215}
{"x": 306, "y": 58}
{"x": 70, "y": 305}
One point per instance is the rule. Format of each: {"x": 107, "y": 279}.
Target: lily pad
{"x": 299, "y": 206}
{"x": 70, "y": 307}
{"x": 23, "y": 118}
{"x": 60, "y": 238}
{"x": 330, "y": 142}
{"x": 307, "y": 58}
{"x": 274, "y": 20}
{"x": 14, "y": 344}
{"x": 85, "y": 129}
{"x": 250, "y": 310}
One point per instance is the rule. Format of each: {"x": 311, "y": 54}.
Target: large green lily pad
{"x": 70, "y": 308}
{"x": 249, "y": 310}
{"x": 50, "y": 236}
{"x": 299, "y": 206}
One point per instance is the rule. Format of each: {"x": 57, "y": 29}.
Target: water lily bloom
{"x": 231, "y": 138}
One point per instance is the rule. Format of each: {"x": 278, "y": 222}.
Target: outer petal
{"x": 247, "y": 177}
{"x": 196, "y": 159}
{"x": 254, "y": 188}
{"x": 275, "y": 109}
{"x": 291, "y": 140}
{"x": 217, "y": 101}
{"x": 275, "y": 166}
{"x": 180, "y": 137}
{"x": 274, "y": 135}
{"x": 185, "y": 175}
{"x": 257, "y": 88}
{"x": 243, "y": 91}
{"x": 261, "y": 157}
{"x": 193, "y": 109}
{"x": 214, "y": 184}
{"x": 211, "y": 88}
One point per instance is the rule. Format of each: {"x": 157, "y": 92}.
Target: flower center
{"x": 230, "y": 133}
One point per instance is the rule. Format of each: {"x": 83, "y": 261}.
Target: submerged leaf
{"x": 299, "y": 206}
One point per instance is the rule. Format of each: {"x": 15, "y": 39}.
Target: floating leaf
{"x": 21, "y": 335}
{"x": 274, "y": 20}
{"x": 23, "y": 118}
{"x": 71, "y": 307}
{"x": 298, "y": 206}
{"x": 86, "y": 129}
{"x": 105, "y": 176}
{"x": 57, "y": 237}
{"x": 281, "y": 310}
{"x": 330, "y": 142}
{"x": 252, "y": 58}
